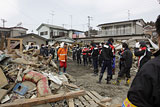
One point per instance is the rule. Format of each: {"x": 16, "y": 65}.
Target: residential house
{"x": 122, "y": 28}
{"x": 12, "y": 31}
{"x": 32, "y": 38}
{"x": 75, "y": 34}
{"x": 51, "y": 31}
{"x": 151, "y": 30}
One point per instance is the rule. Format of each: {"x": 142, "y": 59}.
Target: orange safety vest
{"x": 62, "y": 54}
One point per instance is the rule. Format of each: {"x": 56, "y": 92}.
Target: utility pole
{"x": 64, "y": 25}
{"x": 3, "y": 21}
{"x": 129, "y": 14}
{"x": 52, "y": 14}
{"x": 71, "y": 21}
{"x": 89, "y": 21}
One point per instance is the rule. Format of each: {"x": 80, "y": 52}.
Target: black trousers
{"x": 95, "y": 63}
{"x": 106, "y": 64}
{"x": 90, "y": 59}
{"x": 85, "y": 60}
{"x": 79, "y": 59}
{"x": 100, "y": 61}
{"x": 74, "y": 56}
{"x": 124, "y": 71}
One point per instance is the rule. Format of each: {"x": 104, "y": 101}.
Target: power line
{"x": 52, "y": 14}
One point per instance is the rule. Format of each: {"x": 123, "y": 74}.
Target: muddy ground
{"x": 85, "y": 80}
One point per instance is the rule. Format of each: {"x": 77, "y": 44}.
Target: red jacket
{"x": 85, "y": 51}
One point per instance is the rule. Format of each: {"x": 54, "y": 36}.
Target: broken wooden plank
{"x": 93, "y": 97}
{"x": 101, "y": 105}
{"x": 70, "y": 102}
{"x": 71, "y": 85}
{"x": 84, "y": 102}
{"x": 3, "y": 93}
{"x": 3, "y": 79}
{"x": 96, "y": 94}
{"x": 49, "y": 60}
{"x": 47, "y": 99}
{"x": 78, "y": 103}
{"x": 116, "y": 105}
{"x": 54, "y": 65}
{"x": 92, "y": 103}
{"x": 70, "y": 78}
{"x": 106, "y": 99}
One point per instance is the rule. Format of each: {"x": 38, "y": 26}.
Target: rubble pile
{"x": 28, "y": 75}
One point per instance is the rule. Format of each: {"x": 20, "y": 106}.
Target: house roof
{"x": 19, "y": 28}
{"x": 4, "y": 28}
{"x": 51, "y": 26}
{"x": 31, "y": 34}
{"x": 13, "y": 28}
{"x": 65, "y": 39}
{"x": 123, "y": 22}
{"x": 75, "y": 30}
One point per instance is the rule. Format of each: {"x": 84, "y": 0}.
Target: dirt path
{"x": 84, "y": 79}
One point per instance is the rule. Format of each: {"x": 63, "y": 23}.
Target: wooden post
{"x": 2, "y": 43}
{"x": 8, "y": 45}
{"x": 15, "y": 39}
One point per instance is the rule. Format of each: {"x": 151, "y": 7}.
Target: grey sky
{"x": 34, "y": 12}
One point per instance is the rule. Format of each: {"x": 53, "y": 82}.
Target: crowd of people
{"x": 103, "y": 56}
{"x": 144, "y": 90}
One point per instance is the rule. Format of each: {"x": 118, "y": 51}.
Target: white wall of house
{"x": 70, "y": 34}
{"x": 121, "y": 29}
{"x": 44, "y": 29}
{"x": 139, "y": 28}
{"x": 57, "y": 32}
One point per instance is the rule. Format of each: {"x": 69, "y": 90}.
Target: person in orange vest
{"x": 62, "y": 54}
{"x": 85, "y": 54}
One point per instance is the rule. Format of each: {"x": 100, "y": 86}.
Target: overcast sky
{"x": 34, "y": 12}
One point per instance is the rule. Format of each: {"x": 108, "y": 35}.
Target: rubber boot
{"x": 108, "y": 79}
{"x": 127, "y": 81}
{"x": 118, "y": 81}
{"x": 96, "y": 72}
{"x": 100, "y": 78}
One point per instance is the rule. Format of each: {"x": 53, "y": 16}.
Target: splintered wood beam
{"x": 71, "y": 102}
{"x": 44, "y": 100}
